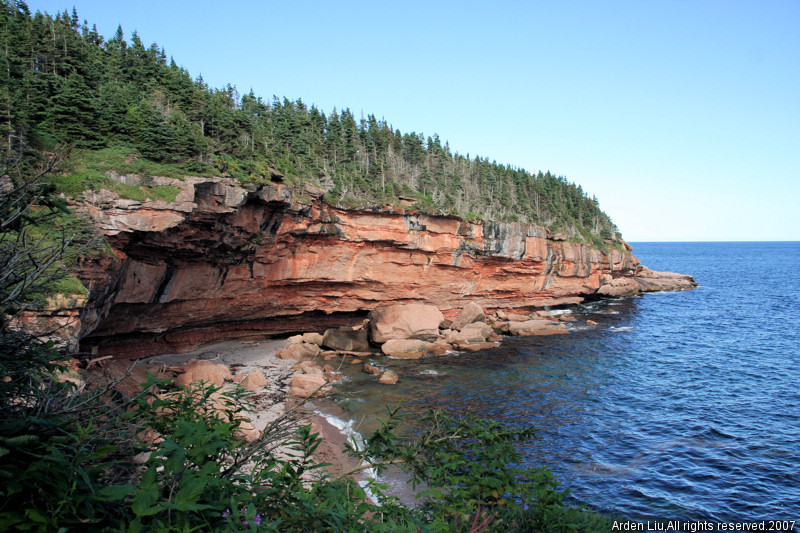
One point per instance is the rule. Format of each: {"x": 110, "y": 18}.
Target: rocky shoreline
{"x": 405, "y": 331}
{"x": 282, "y": 374}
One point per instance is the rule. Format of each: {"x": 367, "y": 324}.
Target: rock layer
{"x": 224, "y": 263}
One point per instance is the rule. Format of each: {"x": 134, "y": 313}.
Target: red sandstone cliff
{"x": 222, "y": 262}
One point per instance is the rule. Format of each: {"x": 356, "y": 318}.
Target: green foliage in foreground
{"x": 66, "y": 466}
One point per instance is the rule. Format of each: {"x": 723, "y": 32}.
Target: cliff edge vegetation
{"x": 128, "y": 109}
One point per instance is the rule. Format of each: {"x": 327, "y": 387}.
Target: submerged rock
{"x": 389, "y": 377}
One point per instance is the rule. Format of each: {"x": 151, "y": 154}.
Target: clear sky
{"x": 682, "y": 117}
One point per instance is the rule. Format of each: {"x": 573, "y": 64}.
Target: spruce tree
{"x": 73, "y": 116}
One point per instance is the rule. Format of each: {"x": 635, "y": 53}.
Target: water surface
{"x": 676, "y": 406}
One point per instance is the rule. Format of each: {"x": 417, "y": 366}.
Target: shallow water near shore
{"x": 676, "y": 406}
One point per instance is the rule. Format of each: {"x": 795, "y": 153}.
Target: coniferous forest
{"x": 62, "y": 82}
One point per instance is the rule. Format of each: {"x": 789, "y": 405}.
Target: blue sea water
{"x": 676, "y": 406}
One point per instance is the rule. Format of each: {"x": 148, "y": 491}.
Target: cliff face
{"x": 221, "y": 262}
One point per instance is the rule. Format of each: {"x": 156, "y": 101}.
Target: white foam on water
{"x": 347, "y": 428}
{"x": 623, "y": 328}
{"x": 430, "y": 372}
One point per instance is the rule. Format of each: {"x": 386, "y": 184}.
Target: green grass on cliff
{"x": 91, "y": 170}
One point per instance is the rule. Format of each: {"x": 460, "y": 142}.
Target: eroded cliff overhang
{"x": 222, "y": 262}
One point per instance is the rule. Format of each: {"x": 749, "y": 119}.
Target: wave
{"x": 347, "y": 428}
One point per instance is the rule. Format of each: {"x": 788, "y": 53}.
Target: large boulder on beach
{"x": 537, "y": 327}
{"x": 346, "y": 340}
{"x": 307, "y": 385}
{"x": 197, "y": 370}
{"x": 405, "y": 321}
{"x": 299, "y": 351}
{"x": 405, "y": 348}
{"x": 472, "y": 312}
{"x": 254, "y": 381}
{"x": 308, "y": 367}
{"x": 314, "y": 338}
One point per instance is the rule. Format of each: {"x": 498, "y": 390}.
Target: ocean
{"x": 675, "y": 406}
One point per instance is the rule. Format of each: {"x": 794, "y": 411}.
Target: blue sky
{"x": 682, "y": 117}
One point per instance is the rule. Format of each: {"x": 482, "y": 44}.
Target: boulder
{"x": 537, "y": 327}
{"x": 501, "y": 315}
{"x": 566, "y": 317}
{"x": 300, "y": 365}
{"x": 405, "y": 321}
{"x": 375, "y": 371}
{"x": 149, "y": 436}
{"x": 246, "y": 430}
{"x": 389, "y": 377}
{"x": 440, "y": 347}
{"x": 346, "y": 339}
{"x": 472, "y": 312}
{"x": 299, "y": 351}
{"x": 295, "y": 339}
{"x": 591, "y": 323}
{"x": 313, "y": 338}
{"x": 254, "y": 381}
{"x": 481, "y": 329}
{"x": 126, "y": 377}
{"x": 501, "y": 326}
{"x": 356, "y": 361}
{"x": 313, "y": 369}
{"x": 405, "y": 348}
{"x": 542, "y": 315}
{"x": 307, "y": 385}
{"x": 514, "y": 317}
{"x": 195, "y": 371}
{"x": 471, "y": 333}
